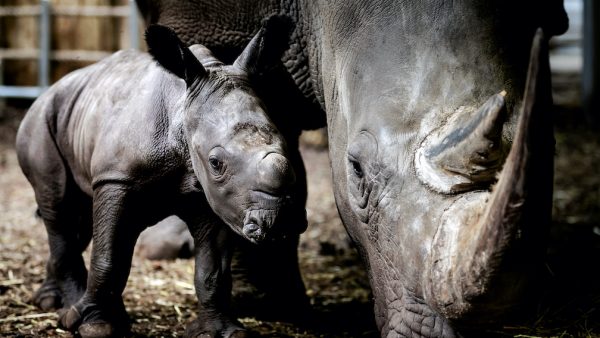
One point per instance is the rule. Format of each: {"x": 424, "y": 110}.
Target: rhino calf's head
{"x": 237, "y": 154}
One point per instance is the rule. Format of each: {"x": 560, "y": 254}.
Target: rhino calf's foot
{"x": 98, "y": 330}
{"x": 55, "y": 294}
{"x": 92, "y": 321}
{"x": 48, "y": 296}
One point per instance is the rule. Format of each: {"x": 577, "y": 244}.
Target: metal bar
{"x": 591, "y": 64}
{"x": 44, "y": 62}
{"x": 134, "y": 39}
{"x": 2, "y": 101}
{"x": 20, "y": 91}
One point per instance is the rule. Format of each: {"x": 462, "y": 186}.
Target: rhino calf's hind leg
{"x": 69, "y": 233}
{"x": 66, "y": 212}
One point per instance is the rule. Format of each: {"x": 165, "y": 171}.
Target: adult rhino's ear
{"x": 555, "y": 20}
{"x": 267, "y": 46}
{"x": 172, "y": 54}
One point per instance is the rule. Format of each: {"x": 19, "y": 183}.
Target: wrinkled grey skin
{"x": 440, "y": 139}
{"x": 117, "y": 146}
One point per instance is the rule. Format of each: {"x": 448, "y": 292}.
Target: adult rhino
{"x": 440, "y": 135}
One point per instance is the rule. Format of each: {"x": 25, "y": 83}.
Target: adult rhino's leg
{"x": 66, "y": 212}
{"x": 100, "y": 312}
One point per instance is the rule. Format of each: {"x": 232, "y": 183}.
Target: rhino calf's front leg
{"x": 212, "y": 280}
{"x": 100, "y": 312}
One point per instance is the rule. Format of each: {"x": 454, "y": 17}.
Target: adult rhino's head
{"x": 236, "y": 152}
{"x": 441, "y": 146}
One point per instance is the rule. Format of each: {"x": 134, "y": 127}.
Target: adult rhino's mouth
{"x": 408, "y": 316}
{"x": 480, "y": 233}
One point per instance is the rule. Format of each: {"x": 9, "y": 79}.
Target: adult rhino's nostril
{"x": 275, "y": 173}
{"x": 251, "y": 228}
{"x": 253, "y": 231}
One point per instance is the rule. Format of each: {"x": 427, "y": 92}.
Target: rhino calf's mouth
{"x": 273, "y": 218}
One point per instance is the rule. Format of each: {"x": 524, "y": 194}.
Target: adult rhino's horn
{"x": 467, "y": 152}
{"x": 476, "y": 241}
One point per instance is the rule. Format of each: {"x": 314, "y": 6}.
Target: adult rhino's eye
{"x": 356, "y": 167}
{"x": 216, "y": 165}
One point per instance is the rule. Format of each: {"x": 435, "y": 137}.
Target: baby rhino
{"x": 117, "y": 146}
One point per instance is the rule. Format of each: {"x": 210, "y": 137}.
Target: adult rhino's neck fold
{"x": 481, "y": 253}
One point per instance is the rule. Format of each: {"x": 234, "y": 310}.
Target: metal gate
{"x": 44, "y": 53}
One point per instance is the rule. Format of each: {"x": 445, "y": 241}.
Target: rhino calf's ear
{"x": 267, "y": 46}
{"x": 172, "y": 54}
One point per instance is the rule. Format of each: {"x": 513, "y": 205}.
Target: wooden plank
{"x": 57, "y": 55}
{"x": 98, "y": 11}
{"x": 19, "y": 10}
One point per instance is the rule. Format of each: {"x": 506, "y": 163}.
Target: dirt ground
{"x": 160, "y": 297}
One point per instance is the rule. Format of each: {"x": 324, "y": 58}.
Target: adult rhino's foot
{"x": 48, "y": 297}
{"x": 215, "y": 328}
{"x": 92, "y": 321}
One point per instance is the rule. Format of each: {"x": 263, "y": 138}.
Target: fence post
{"x": 133, "y": 26}
{"x": 44, "y": 60}
{"x": 2, "y": 101}
{"x": 591, "y": 64}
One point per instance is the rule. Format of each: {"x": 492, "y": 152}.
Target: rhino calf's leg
{"x": 100, "y": 312}
{"x": 68, "y": 225}
{"x": 212, "y": 280}
{"x": 66, "y": 214}
{"x": 69, "y": 233}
